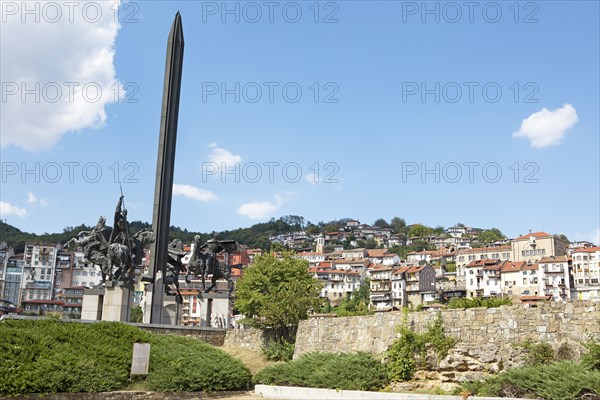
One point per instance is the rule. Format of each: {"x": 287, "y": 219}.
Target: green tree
{"x": 490, "y": 235}
{"x": 277, "y": 247}
{"x": 331, "y": 228}
{"x": 397, "y": 224}
{"x": 418, "y": 230}
{"x": 277, "y": 293}
{"x": 381, "y": 223}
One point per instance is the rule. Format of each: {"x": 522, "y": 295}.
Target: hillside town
{"x": 534, "y": 267}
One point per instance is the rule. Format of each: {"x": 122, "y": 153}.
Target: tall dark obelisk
{"x": 165, "y": 165}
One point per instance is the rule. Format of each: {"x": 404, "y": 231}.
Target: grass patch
{"x": 345, "y": 371}
{"x": 48, "y": 356}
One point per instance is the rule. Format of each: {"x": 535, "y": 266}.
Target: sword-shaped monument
{"x": 165, "y": 165}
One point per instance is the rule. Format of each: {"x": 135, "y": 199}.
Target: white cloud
{"x": 547, "y": 128}
{"x": 311, "y": 178}
{"x": 47, "y": 57}
{"x": 31, "y": 199}
{"x": 7, "y": 209}
{"x": 193, "y": 193}
{"x": 220, "y": 155}
{"x": 260, "y": 209}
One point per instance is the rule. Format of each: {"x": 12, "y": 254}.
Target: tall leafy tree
{"x": 381, "y": 223}
{"x": 490, "y": 235}
{"x": 277, "y": 293}
{"x": 397, "y": 224}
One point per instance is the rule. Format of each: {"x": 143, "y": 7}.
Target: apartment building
{"x": 555, "y": 277}
{"x": 534, "y": 246}
{"x": 521, "y": 279}
{"x": 483, "y": 277}
{"x": 381, "y": 287}
{"x": 337, "y": 283}
{"x": 39, "y": 271}
{"x": 586, "y": 274}
{"x": 466, "y": 256}
{"x": 13, "y": 277}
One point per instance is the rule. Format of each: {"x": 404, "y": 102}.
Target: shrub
{"x": 409, "y": 351}
{"x": 565, "y": 352}
{"x": 180, "y": 363}
{"x": 346, "y": 371}
{"x": 48, "y": 356}
{"x": 491, "y": 302}
{"x": 555, "y": 381}
{"x": 538, "y": 353}
{"x": 279, "y": 350}
{"x": 592, "y": 358}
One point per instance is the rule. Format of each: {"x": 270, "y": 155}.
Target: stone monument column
{"x": 163, "y": 190}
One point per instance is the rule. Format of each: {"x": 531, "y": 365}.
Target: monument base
{"x": 115, "y": 306}
{"x": 91, "y": 307}
{"x": 215, "y": 310}
{"x": 170, "y": 313}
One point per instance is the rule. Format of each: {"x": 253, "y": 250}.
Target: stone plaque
{"x": 141, "y": 359}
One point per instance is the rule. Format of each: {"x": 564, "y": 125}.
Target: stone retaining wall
{"x": 548, "y": 322}
{"x": 214, "y": 336}
{"x": 246, "y": 338}
{"x": 487, "y": 338}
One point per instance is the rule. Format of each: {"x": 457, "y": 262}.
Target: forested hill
{"x": 255, "y": 236}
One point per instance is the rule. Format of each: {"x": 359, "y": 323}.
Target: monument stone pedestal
{"x": 91, "y": 307}
{"x": 215, "y": 310}
{"x": 170, "y": 313}
{"x": 115, "y": 306}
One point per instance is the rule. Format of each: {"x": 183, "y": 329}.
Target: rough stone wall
{"x": 502, "y": 327}
{"x": 248, "y": 338}
{"x": 216, "y": 337}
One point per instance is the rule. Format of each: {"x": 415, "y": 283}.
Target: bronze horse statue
{"x": 206, "y": 263}
{"x": 116, "y": 260}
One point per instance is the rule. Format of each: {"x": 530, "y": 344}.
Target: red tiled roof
{"x": 530, "y": 267}
{"x": 376, "y": 252}
{"x": 482, "y": 263}
{"x": 587, "y": 249}
{"x": 550, "y": 260}
{"x": 412, "y": 270}
{"x": 379, "y": 268}
{"x": 511, "y": 266}
{"x": 533, "y": 234}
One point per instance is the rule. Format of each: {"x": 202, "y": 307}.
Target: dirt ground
{"x": 253, "y": 360}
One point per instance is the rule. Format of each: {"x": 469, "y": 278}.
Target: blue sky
{"x": 528, "y": 102}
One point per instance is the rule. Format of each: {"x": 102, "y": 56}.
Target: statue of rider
{"x": 120, "y": 232}
{"x": 212, "y": 263}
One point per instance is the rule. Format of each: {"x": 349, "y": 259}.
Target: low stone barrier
{"x": 300, "y": 393}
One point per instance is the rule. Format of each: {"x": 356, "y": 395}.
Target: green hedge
{"x": 564, "y": 380}
{"x": 346, "y": 371}
{"x": 48, "y": 356}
